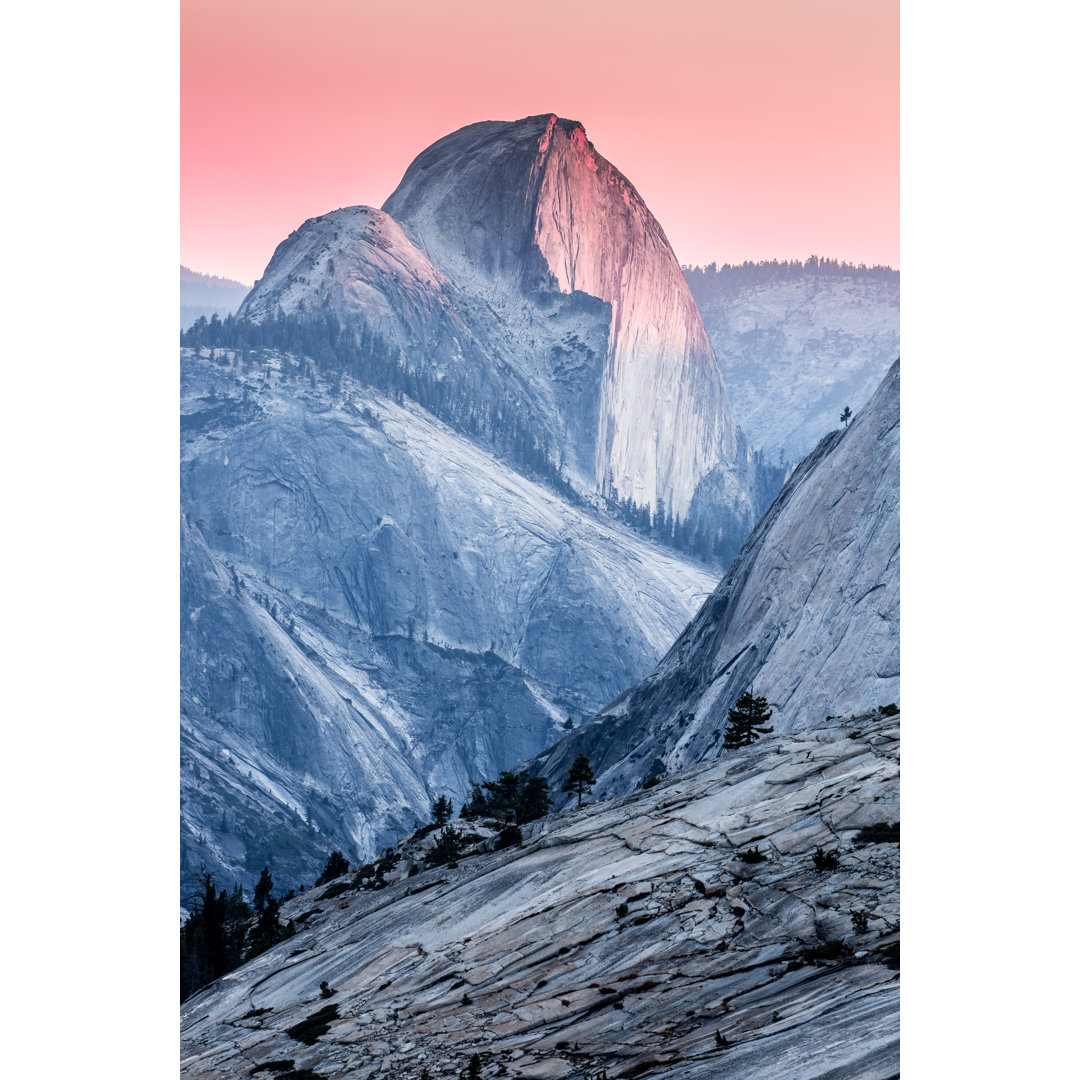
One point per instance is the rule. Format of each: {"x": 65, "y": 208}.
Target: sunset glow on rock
{"x": 764, "y": 130}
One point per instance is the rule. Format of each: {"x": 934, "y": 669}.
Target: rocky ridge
{"x": 808, "y": 615}
{"x": 203, "y": 294}
{"x": 684, "y": 931}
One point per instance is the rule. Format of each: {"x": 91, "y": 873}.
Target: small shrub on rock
{"x": 317, "y": 1024}
{"x": 640, "y": 1069}
{"x": 882, "y": 832}
{"x": 753, "y": 855}
{"x": 825, "y": 860}
{"x": 829, "y": 950}
{"x": 859, "y": 921}
{"x": 510, "y": 836}
{"x": 621, "y": 910}
{"x": 889, "y": 955}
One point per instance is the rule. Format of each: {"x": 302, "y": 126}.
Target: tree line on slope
{"x": 693, "y": 535}
{"x": 331, "y": 350}
{"x": 224, "y": 932}
{"x": 767, "y": 271}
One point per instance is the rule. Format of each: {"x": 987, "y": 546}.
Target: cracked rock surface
{"x": 717, "y": 965}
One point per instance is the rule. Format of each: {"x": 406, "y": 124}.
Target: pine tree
{"x": 442, "y": 810}
{"x": 746, "y": 722}
{"x": 580, "y": 779}
{"x": 845, "y": 416}
{"x": 263, "y": 889}
{"x": 535, "y": 801}
{"x": 449, "y": 846}
{"x": 336, "y": 865}
{"x": 212, "y": 939}
{"x": 476, "y": 805}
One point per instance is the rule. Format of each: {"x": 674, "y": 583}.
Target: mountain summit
{"x": 532, "y": 201}
{"x": 516, "y": 262}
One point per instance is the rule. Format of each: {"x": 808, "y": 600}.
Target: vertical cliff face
{"x": 807, "y": 614}
{"x": 518, "y": 262}
{"x": 532, "y": 205}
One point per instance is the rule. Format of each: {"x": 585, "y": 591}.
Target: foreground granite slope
{"x": 525, "y": 957}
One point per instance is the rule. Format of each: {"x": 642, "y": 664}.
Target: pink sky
{"x": 753, "y": 129}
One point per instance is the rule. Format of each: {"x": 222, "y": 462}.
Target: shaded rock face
{"x": 796, "y": 350}
{"x": 807, "y": 615}
{"x": 526, "y": 957}
{"x": 375, "y": 610}
{"x": 518, "y": 261}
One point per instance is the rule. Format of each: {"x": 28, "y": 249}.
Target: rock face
{"x": 518, "y": 262}
{"x": 374, "y": 611}
{"x": 631, "y": 936}
{"x": 807, "y": 614}
{"x": 796, "y": 347}
{"x": 533, "y": 204}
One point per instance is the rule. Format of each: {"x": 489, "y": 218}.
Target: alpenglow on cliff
{"x": 521, "y": 266}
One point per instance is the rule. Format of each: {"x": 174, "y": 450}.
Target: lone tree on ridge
{"x": 442, "y": 810}
{"x": 336, "y": 865}
{"x": 746, "y": 722}
{"x": 845, "y": 416}
{"x": 580, "y": 779}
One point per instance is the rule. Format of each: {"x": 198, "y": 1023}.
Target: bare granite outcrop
{"x": 683, "y": 931}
